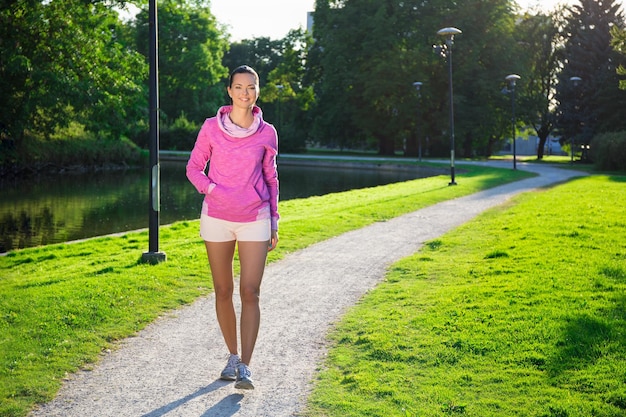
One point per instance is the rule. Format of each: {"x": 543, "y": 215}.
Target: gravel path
{"x": 171, "y": 367}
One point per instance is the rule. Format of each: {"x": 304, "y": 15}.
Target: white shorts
{"x": 217, "y": 230}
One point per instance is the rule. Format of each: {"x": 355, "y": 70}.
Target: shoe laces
{"x": 243, "y": 370}
{"x": 233, "y": 361}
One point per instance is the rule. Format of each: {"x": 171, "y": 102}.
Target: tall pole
{"x": 449, "y": 34}
{"x": 576, "y": 81}
{"x": 280, "y": 109}
{"x": 418, "y": 86}
{"x": 512, "y": 79}
{"x": 153, "y": 256}
{"x": 513, "y": 127}
{"x": 452, "y": 146}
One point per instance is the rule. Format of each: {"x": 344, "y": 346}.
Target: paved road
{"x": 171, "y": 368}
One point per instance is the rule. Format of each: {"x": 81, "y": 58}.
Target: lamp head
{"x": 512, "y": 79}
{"x": 575, "y": 80}
{"x": 417, "y": 85}
{"x": 449, "y": 32}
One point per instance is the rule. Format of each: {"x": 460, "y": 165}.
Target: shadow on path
{"x": 231, "y": 400}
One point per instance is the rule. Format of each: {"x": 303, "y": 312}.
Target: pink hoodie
{"x": 242, "y": 181}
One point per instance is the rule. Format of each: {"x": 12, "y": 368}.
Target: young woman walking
{"x": 240, "y": 208}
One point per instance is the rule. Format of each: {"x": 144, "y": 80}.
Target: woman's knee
{"x": 250, "y": 294}
{"x": 223, "y": 292}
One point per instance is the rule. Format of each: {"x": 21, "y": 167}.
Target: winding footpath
{"x": 172, "y": 367}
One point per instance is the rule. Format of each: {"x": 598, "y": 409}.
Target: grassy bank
{"x": 62, "y": 305}
{"x": 521, "y": 312}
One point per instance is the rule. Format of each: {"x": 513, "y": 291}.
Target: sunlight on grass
{"x": 518, "y": 313}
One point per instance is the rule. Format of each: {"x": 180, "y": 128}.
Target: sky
{"x": 248, "y": 19}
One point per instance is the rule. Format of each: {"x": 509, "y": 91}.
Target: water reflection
{"x": 63, "y": 208}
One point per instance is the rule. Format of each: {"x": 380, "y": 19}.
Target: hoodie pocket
{"x": 237, "y": 200}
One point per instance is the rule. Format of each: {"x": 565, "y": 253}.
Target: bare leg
{"x": 252, "y": 256}
{"x": 221, "y": 262}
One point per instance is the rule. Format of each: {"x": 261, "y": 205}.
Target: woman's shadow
{"x": 227, "y": 406}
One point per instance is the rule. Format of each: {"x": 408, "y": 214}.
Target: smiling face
{"x": 244, "y": 90}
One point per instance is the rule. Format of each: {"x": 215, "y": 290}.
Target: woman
{"x": 240, "y": 208}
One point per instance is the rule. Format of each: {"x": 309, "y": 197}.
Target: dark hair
{"x": 243, "y": 69}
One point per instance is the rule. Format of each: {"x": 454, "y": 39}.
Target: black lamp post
{"x": 512, "y": 79}
{"x": 446, "y": 50}
{"x": 153, "y": 256}
{"x": 280, "y": 88}
{"x": 418, "y": 86}
{"x": 575, "y": 82}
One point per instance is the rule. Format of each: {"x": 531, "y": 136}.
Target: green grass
{"x": 62, "y": 305}
{"x": 521, "y": 312}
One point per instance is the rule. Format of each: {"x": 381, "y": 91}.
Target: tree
{"x": 263, "y": 54}
{"x": 338, "y": 41}
{"x": 191, "y": 49}
{"x": 60, "y": 61}
{"x": 364, "y": 83}
{"x": 484, "y": 55}
{"x": 539, "y": 36}
{"x": 372, "y": 51}
{"x": 619, "y": 44}
{"x": 595, "y": 105}
{"x": 288, "y": 90}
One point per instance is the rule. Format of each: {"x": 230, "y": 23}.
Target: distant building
{"x": 309, "y": 22}
{"x": 529, "y": 145}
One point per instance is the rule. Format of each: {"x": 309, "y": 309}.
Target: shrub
{"x": 179, "y": 136}
{"x": 71, "y": 148}
{"x": 608, "y": 151}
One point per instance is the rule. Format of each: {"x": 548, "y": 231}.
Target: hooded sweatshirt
{"x": 242, "y": 181}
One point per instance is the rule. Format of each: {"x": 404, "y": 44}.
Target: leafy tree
{"x": 337, "y": 40}
{"x": 191, "y": 49}
{"x": 539, "y": 37}
{"x": 263, "y": 54}
{"x": 364, "y": 84}
{"x": 60, "y": 61}
{"x": 288, "y": 90}
{"x": 619, "y": 44}
{"x": 484, "y": 55}
{"x": 371, "y": 52}
{"x": 595, "y": 105}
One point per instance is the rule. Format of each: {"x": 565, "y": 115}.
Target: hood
{"x": 231, "y": 129}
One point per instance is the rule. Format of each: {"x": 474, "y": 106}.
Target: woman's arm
{"x": 200, "y": 156}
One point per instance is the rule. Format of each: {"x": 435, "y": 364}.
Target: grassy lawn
{"x": 62, "y": 305}
{"x": 521, "y": 312}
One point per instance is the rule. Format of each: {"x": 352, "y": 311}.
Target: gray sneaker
{"x": 244, "y": 377}
{"x": 230, "y": 373}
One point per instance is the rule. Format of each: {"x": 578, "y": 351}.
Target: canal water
{"x": 60, "y": 208}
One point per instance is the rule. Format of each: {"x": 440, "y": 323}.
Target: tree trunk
{"x": 386, "y": 146}
{"x": 542, "y": 133}
{"x": 411, "y": 148}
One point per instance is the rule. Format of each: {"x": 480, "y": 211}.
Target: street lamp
{"x": 154, "y": 256}
{"x": 280, "y": 110}
{"x": 575, "y": 82}
{"x": 512, "y": 79}
{"x": 418, "y": 85}
{"x": 446, "y": 50}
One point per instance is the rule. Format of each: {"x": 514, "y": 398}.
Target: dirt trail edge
{"x": 171, "y": 367}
